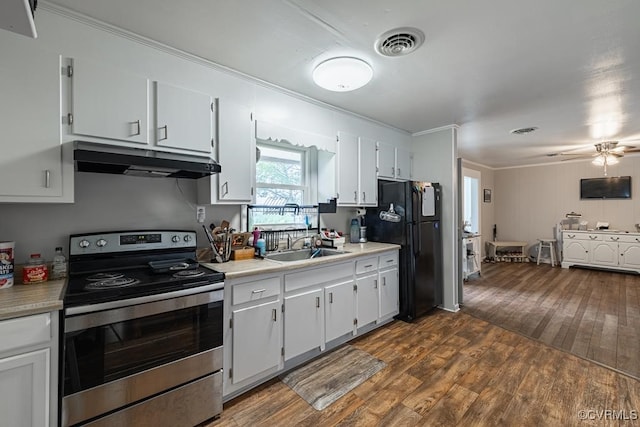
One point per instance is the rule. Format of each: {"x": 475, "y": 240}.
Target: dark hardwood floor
{"x": 590, "y": 313}
{"x": 455, "y": 369}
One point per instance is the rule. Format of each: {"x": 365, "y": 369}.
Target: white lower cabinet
{"x": 615, "y": 250}
{"x": 279, "y": 320}
{"x": 303, "y": 323}
{"x": 389, "y": 294}
{"x": 29, "y": 370}
{"x": 339, "y": 306}
{"x": 24, "y": 386}
{"x": 367, "y": 299}
{"x": 257, "y": 332}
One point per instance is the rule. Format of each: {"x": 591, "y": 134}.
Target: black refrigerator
{"x": 408, "y": 214}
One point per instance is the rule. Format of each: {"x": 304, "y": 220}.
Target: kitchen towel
{"x": 325, "y": 380}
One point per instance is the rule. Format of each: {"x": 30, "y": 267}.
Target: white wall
{"x": 434, "y": 159}
{"x": 529, "y": 201}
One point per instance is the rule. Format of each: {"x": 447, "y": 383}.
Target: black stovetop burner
{"x": 84, "y": 289}
{"x": 113, "y": 266}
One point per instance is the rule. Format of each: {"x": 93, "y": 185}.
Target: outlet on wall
{"x": 200, "y": 214}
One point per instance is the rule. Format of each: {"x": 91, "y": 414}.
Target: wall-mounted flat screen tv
{"x": 618, "y": 187}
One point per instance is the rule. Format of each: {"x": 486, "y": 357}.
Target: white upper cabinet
{"x": 357, "y": 184}
{"x": 347, "y": 169}
{"x": 393, "y": 162}
{"x": 183, "y": 118}
{"x": 32, "y": 163}
{"x": 107, "y": 102}
{"x": 236, "y": 153}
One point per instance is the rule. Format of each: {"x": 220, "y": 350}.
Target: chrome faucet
{"x": 291, "y": 241}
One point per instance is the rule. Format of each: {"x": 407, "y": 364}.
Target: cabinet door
{"x": 339, "y": 310}
{"x": 108, "y": 102}
{"x": 367, "y": 176}
{"x": 629, "y": 255}
{"x": 403, "y": 164}
{"x": 389, "y": 293}
{"x": 347, "y": 169}
{"x": 367, "y": 299}
{"x": 24, "y": 386}
{"x": 575, "y": 251}
{"x": 183, "y": 118}
{"x": 604, "y": 253}
{"x": 31, "y": 159}
{"x": 236, "y": 152}
{"x": 257, "y": 335}
{"x": 386, "y": 161}
{"x": 303, "y": 321}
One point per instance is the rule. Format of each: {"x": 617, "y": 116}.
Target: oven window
{"x": 98, "y": 355}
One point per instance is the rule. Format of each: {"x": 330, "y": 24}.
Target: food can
{"x": 35, "y": 271}
{"x": 6, "y": 264}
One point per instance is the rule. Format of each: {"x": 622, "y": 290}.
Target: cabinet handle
{"x": 375, "y": 284}
{"x": 393, "y": 171}
{"x": 571, "y": 236}
{"x": 137, "y": 123}
{"x": 389, "y": 260}
{"x": 637, "y": 240}
{"x": 364, "y": 196}
{"x": 330, "y": 297}
{"x": 615, "y": 239}
{"x": 399, "y": 173}
{"x": 274, "y": 314}
{"x": 257, "y": 291}
{"x": 225, "y": 188}
{"x": 166, "y": 133}
{"x": 368, "y": 266}
{"x": 317, "y": 302}
{"x": 593, "y": 237}
{"x": 384, "y": 281}
{"x": 355, "y": 195}
{"x": 47, "y": 178}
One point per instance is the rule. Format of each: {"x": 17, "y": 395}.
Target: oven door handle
{"x": 84, "y": 317}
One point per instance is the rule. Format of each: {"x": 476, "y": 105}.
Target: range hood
{"x": 99, "y": 158}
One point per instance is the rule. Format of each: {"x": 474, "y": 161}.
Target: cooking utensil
{"x": 214, "y": 250}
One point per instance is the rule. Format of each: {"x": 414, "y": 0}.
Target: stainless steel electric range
{"x": 142, "y": 331}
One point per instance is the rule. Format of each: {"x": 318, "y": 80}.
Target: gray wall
{"x": 107, "y": 202}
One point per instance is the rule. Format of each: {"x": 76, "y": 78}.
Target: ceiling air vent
{"x": 522, "y": 131}
{"x": 399, "y": 42}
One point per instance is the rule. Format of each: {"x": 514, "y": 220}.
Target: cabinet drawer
{"x": 253, "y": 291}
{"x": 625, "y": 238}
{"x": 315, "y": 276}
{"x": 366, "y": 265}
{"x": 389, "y": 260}
{"x": 25, "y": 331}
{"x": 576, "y": 236}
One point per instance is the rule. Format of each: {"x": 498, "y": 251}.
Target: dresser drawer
{"x": 256, "y": 290}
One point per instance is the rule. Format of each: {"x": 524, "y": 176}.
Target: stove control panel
{"x": 127, "y": 241}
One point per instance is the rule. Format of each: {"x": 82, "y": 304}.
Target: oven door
{"x": 120, "y": 356}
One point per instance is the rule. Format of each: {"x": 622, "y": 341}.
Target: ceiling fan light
{"x": 342, "y": 74}
{"x": 612, "y": 160}
{"x": 598, "y": 161}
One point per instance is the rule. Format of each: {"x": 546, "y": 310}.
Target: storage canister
{"x": 35, "y": 270}
{"x": 6, "y": 264}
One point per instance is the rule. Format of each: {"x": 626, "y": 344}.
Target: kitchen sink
{"x": 302, "y": 254}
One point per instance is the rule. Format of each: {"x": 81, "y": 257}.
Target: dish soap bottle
{"x": 59, "y": 265}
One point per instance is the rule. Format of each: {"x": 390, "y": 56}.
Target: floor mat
{"x": 330, "y": 377}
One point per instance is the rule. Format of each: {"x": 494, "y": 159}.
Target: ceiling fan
{"x": 607, "y": 153}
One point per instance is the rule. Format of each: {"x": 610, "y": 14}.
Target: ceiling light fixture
{"x": 342, "y": 74}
